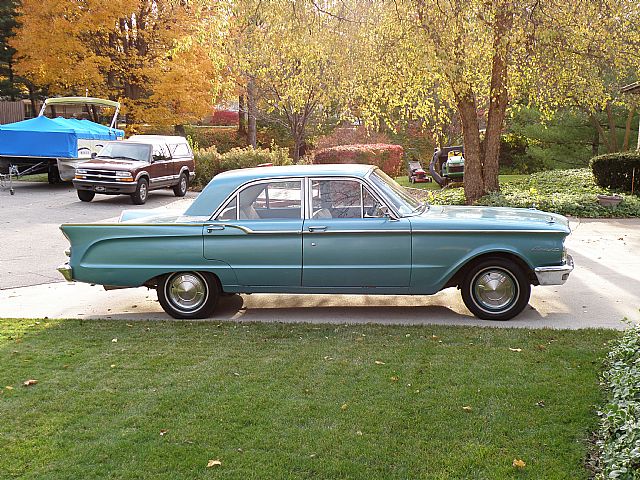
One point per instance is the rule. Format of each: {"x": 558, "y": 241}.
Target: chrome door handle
{"x": 212, "y": 228}
{"x": 318, "y": 229}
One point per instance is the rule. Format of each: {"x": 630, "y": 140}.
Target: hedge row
{"x": 616, "y": 170}
{"x": 210, "y": 162}
{"x": 619, "y": 434}
{"x": 388, "y": 157}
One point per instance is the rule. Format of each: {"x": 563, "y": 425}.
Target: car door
{"x": 160, "y": 168}
{"x": 349, "y": 242}
{"x": 258, "y": 233}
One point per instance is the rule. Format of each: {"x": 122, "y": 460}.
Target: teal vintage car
{"x": 347, "y": 229}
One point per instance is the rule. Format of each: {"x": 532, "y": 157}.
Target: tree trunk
{"x": 595, "y": 143}
{"x": 242, "y": 115}
{"x": 600, "y": 130}
{"x": 498, "y": 100}
{"x": 473, "y": 170}
{"x": 613, "y": 137}
{"x": 179, "y": 130}
{"x": 627, "y": 128}
{"x": 32, "y": 100}
{"x": 251, "y": 110}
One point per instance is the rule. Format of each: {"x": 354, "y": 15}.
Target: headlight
{"x": 124, "y": 177}
{"x": 81, "y": 171}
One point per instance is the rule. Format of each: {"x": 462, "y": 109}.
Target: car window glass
{"x": 180, "y": 150}
{"x": 371, "y": 206}
{"x": 336, "y": 199}
{"x": 229, "y": 210}
{"x": 273, "y": 200}
{"x": 160, "y": 151}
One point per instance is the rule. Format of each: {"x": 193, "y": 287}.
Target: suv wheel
{"x": 86, "y": 195}
{"x": 139, "y": 197}
{"x": 180, "y": 190}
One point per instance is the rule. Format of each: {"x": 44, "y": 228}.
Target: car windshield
{"x": 404, "y": 203}
{"x": 129, "y": 151}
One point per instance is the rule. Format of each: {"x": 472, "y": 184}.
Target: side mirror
{"x": 94, "y": 154}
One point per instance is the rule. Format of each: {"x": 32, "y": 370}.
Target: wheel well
{"x": 153, "y": 282}
{"x": 145, "y": 176}
{"x": 458, "y": 277}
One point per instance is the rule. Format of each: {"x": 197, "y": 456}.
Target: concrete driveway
{"x": 603, "y": 289}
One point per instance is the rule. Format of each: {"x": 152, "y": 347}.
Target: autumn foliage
{"x": 388, "y": 157}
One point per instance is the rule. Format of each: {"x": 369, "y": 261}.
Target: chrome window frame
{"x": 252, "y": 183}
{"x": 363, "y": 184}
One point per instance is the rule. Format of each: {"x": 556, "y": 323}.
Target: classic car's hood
{"x": 493, "y": 218}
{"x": 155, "y": 216}
{"x": 126, "y": 165}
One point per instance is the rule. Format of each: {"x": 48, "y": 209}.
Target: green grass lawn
{"x": 294, "y": 401}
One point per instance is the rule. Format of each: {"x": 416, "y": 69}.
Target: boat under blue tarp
{"x": 51, "y": 138}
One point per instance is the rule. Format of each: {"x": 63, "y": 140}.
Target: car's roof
{"x": 225, "y": 183}
{"x": 295, "y": 171}
{"x": 155, "y": 139}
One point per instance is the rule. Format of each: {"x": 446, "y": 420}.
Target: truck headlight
{"x": 124, "y": 177}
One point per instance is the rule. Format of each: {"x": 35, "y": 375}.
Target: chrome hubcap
{"x": 494, "y": 289}
{"x": 187, "y": 291}
{"x": 143, "y": 190}
{"x": 183, "y": 185}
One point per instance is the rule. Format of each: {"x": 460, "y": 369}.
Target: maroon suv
{"x": 136, "y": 166}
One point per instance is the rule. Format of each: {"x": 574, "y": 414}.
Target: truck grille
{"x": 100, "y": 175}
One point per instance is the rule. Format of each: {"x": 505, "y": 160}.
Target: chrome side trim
{"x": 250, "y": 231}
{"x": 378, "y": 232}
{"x": 555, "y": 275}
{"x": 166, "y": 177}
{"x": 66, "y": 271}
{"x": 488, "y": 231}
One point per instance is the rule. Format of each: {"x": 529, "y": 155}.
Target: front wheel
{"x": 139, "y": 197}
{"x": 188, "y": 294}
{"x": 86, "y": 195}
{"x": 495, "y": 289}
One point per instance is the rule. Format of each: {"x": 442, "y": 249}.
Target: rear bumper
{"x": 105, "y": 187}
{"x": 66, "y": 271}
{"x": 556, "y": 275}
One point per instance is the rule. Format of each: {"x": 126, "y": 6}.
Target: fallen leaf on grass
{"x": 394, "y": 379}
{"x": 28, "y": 383}
{"x": 344, "y": 406}
{"x": 467, "y": 408}
{"x": 540, "y": 403}
{"x": 163, "y": 432}
{"x": 9, "y": 387}
{"x": 114, "y": 340}
{"x": 113, "y": 365}
{"x": 214, "y": 463}
{"x": 515, "y": 349}
{"x": 378, "y": 362}
{"x": 517, "y": 463}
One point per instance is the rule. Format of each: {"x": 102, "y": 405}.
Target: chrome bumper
{"x": 66, "y": 271}
{"x": 555, "y": 275}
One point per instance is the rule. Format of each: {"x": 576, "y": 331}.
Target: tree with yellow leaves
{"x": 143, "y": 52}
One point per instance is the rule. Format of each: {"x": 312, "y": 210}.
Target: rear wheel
{"x": 53, "y": 175}
{"x": 495, "y": 289}
{"x": 86, "y": 195}
{"x": 188, "y": 294}
{"x": 180, "y": 190}
{"x": 139, "y": 197}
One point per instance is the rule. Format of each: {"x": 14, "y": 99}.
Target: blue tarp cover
{"x": 46, "y": 137}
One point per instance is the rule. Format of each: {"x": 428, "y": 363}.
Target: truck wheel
{"x": 495, "y": 289}
{"x": 86, "y": 195}
{"x": 53, "y": 175}
{"x": 180, "y": 190}
{"x": 188, "y": 294}
{"x": 139, "y": 197}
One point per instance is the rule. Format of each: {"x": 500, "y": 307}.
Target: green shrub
{"x": 619, "y": 441}
{"x": 222, "y": 138}
{"x": 210, "y": 162}
{"x": 615, "y": 170}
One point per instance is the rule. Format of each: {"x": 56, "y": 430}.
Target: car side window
{"x": 275, "y": 200}
{"x": 342, "y": 199}
{"x": 160, "y": 152}
{"x": 180, "y": 150}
